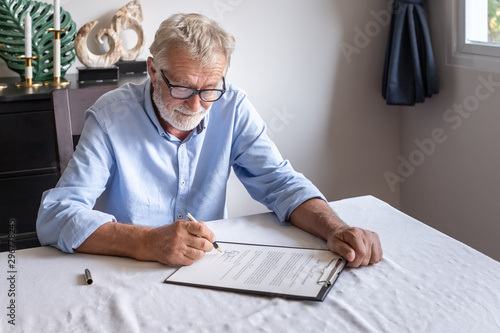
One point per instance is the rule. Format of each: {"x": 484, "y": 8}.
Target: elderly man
{"x": 151, "y": 153}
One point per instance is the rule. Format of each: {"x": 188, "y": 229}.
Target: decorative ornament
{"x": 130, "y": 17}
{"x": 127, "y": 17}
{"x": 92, "y": 60}
{"x": 12, "y": 33}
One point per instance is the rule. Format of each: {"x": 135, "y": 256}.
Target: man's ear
{"x": 152, "y": 70}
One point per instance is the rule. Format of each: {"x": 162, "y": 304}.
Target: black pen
{"x": 191, "y": 218}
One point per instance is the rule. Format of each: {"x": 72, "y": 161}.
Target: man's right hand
{"x": 180, "y": 243}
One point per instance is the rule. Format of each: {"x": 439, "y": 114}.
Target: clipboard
{"x": 264, "y": 270}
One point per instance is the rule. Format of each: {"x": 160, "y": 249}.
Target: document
{"x": 265, "y": 270}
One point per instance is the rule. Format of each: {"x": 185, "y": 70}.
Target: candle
{"x": 57, "y": 15}
{"x": 57, "y": 57}
{"x": 27, "y": 36}
{"x": 57, "y": 40}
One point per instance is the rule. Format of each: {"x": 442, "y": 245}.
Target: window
{"x": 476, "y": 34}
{"x": 494, "y": 21}
{"x": 481, "y": 33}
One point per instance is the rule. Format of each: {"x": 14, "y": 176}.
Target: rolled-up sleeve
{"x": 66, "y": 216}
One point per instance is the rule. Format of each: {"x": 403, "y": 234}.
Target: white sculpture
{"x": 130, "y": 17}
{"x": 127, "y": 17}
{"x": 90, "y": 59}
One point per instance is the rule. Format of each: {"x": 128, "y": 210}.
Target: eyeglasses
{"x": 207, "y": 95}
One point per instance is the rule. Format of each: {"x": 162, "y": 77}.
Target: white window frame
{"x": 470, "y": 54}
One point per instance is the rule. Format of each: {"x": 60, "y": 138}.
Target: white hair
{"x": 201, "y": 37}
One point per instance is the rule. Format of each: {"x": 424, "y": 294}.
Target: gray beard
{"x": 179, "y": 117}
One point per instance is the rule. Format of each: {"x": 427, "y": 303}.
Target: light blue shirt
{"x": 127, "y": 169}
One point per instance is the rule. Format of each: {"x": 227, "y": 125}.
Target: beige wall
{"x": 340, "y": 133}
{"x": 455, "y": 188}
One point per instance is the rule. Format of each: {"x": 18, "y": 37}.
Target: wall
{"x": 455, "y": 188}
{"x": 322, "y": 105}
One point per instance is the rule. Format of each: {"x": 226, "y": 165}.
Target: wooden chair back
{"x": 69, "y": 110}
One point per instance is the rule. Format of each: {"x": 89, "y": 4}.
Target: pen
{"x": 88, "y": 277}
{"x": 191, "y": 218}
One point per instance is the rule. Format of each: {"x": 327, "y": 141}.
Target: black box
{"x": 97, "y": 74}
{"x": 132, "y": 67}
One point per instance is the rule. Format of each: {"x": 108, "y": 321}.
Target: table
{"x": 426, "y": 282}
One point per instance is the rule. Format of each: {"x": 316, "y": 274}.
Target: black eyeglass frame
{"x": 194, "y": 91}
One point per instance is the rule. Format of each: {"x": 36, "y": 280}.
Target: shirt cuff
{"x": 80, "y": 227}
{"x": 286, "y": 206}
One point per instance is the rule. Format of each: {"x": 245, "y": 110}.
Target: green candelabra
{"x": 12, "y": 37}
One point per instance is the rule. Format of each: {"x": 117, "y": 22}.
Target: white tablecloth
{"x": 426, "y": 282}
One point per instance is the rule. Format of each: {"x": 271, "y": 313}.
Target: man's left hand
{"x": 359, "y": 246}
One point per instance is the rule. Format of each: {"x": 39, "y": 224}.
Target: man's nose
{"x": 193, "y": 103}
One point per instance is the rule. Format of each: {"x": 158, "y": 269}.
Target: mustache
{"x": 184, "y": 110}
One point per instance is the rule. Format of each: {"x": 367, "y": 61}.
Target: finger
{"x": 194, "y": 228}
{"x": 365, "y": 261}
{"x": 176, "y": 256}
{"x": 341, "y": 248}
{"x": 193, "y": 254}
{"x": 372, "y": 252}
{"x": 200, "y": 229}
{"x": 181, "y": 260}
{"x": 354, "y": 238}
{"x": 377, "y": 252}
{"x": 199, "y": 243}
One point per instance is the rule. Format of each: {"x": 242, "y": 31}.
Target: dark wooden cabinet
{"x": 20, "y": 199}
{"x": 28, "y": 155}
{"x": 27, "y": 140}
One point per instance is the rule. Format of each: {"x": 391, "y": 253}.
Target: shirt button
{"x": 183, "y": 182}
{"x": 179, "y": 216}
{"x": 181, "y": 146}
